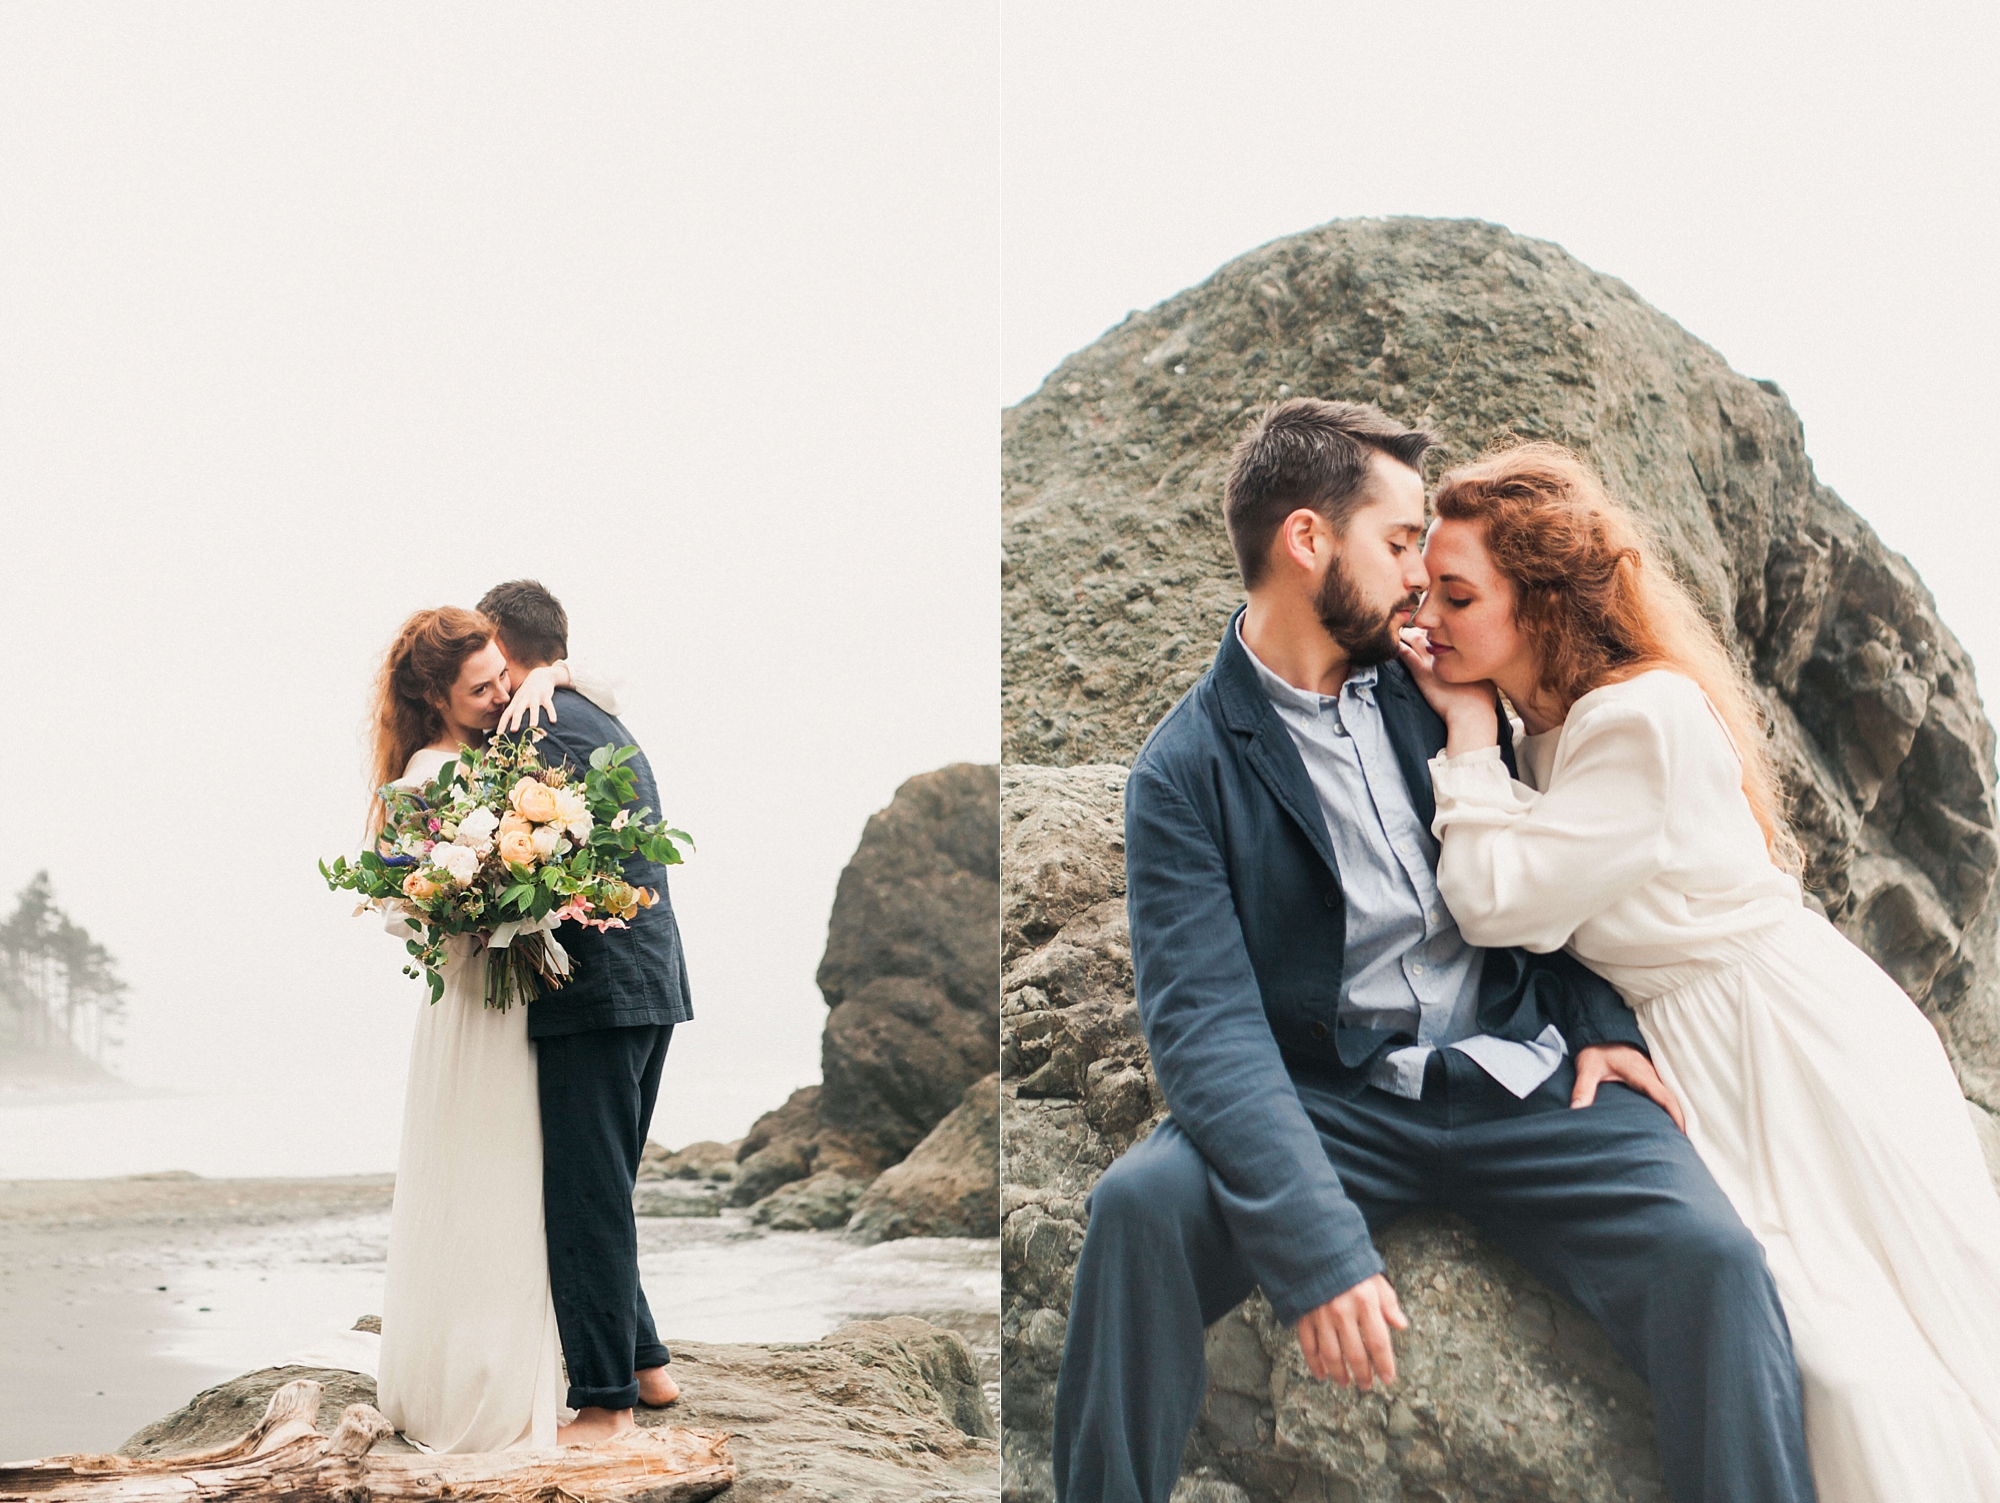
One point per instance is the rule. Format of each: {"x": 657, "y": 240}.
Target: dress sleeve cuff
{"x": 1476, "y": 788}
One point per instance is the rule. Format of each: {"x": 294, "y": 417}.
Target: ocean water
{"x": 248, "y": 1131}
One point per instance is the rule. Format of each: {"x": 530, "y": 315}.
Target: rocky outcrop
{"x": 1118, "y": 580}
{"x": 911, "y": 962}
{"x": 911, "y": 977}
{"x": 818, "y": 1203}
{"x": 889, "y": 1410}
{"x": 220, "y": 1414}
{"x": 949, "y": 1186}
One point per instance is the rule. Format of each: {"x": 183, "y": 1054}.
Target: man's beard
{"x": 1368, "y": 636}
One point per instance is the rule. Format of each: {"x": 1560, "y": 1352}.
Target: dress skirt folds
{"x": 1816, "y": 1092}
{"x": 1825, "y": 1107}
{"x": 470, "y": 1355}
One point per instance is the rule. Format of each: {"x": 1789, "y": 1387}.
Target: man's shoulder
{"x": 1187, "y": 737}
{"x": 580, "y": 727}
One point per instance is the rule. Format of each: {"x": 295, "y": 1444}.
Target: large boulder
{"x": 911, "y": 978}
{"x": 1118, "y": 580}
{"x": 911, "y": 964}
{"x": 949, "y": 1186}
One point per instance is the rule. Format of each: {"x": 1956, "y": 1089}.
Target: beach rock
{"x": 1118, "y": 579}
{"x": 792, "y": 1144}
{"x": 676, "y": 1198}
{"x": 1507, "y": 1391}
{"x": 912, "y": 980}
{"x": 218, "y": 1415}
{"x": 815, "y": 1204}
{"x": 876, "y": 1410}
{"x": 704, "y": 1160}
{"x": 910, "y": 970}
{"x": 949, "y": 1186}
{"x": 886, "y": 1410}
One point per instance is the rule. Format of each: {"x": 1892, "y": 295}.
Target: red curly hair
{"x": 416, "y": 676}
{"x": 1596, "y": 603}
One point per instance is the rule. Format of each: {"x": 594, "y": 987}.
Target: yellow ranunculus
{"x": 534, "y": 800}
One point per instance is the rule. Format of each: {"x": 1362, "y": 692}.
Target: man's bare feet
{"x": 592, "y": 1425}
{"x": 656, "y": 1389}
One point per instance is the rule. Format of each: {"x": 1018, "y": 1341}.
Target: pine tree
{"x": 55, "y": 980}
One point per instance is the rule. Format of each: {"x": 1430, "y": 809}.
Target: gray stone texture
{"x": 887, "y": 1410}
{"x": 1118, "y": 580}
{"x": 911, "y": 978}
{"x": 949, "y": 1186}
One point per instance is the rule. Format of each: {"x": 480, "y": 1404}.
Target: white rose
{"x": 573, "y": 813}
{"x": 478, "y": 825}
{"x": 461, "y": 862}
{"x": 545, "y": 838}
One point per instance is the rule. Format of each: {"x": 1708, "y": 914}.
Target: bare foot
{"x": 592, "y": 1425}
{"x": 656, "y": 1389}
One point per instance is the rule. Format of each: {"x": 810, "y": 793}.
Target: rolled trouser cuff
{"x": 651, "y": 1355}
{"x": 625, "y": 1396}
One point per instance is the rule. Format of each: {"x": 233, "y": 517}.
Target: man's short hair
{"x": 1306, "y": 452}
{"x": 532, "y": 624}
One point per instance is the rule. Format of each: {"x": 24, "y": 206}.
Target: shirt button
{"x": 1418, "y": 968}
{"x": 1319, "y": 1030}
{"x": 1329, "y": 899}
{"x": 1339, "y": 729}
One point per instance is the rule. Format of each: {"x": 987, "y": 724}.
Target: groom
{"x": 600, "y": 1043}
{"x": 1334, "y": 1054}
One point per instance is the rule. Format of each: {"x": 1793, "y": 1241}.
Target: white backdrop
{"x": 316, "y": 315}
{"x": 1809, "y": 187}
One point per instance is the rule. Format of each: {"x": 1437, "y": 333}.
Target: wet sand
{"x": 103, "y": 1285}
{"x": 258, "y": 1270}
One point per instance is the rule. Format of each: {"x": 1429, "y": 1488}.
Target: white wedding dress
{"x": 470, "y": 1356}
{"x": 1815, "y": 1091}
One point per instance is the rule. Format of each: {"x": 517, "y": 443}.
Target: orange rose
{"x": 419, "y": 888}
{"x": 533, "y": 800}
{"x": 517, "y": 847}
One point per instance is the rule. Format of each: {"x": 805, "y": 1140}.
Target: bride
{"x": 1646, "y": 836}
{"x": 470, "y": 1356}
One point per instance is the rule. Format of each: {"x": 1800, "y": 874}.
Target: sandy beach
{"x": 122, "y": 1298}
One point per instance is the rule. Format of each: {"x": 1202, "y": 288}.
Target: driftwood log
{"x": 286, "y": 1457}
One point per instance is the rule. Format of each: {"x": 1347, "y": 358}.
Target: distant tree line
{"x": 57, "y": 984}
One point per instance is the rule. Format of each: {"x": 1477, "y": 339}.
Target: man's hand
{"x": 1621, "y": 1062}
{"x": 534, "y": 697}
{"x": 1347, "y": 1338}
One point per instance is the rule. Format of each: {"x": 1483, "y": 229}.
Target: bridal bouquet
{"x": 504, "y": 849}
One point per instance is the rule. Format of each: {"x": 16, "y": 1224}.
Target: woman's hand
{"x": 1471, "y": 712}
{"x": 534, "y": 697}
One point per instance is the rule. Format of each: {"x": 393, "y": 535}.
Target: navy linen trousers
{"x": 1607, "y": 1205}
{"x": 597, "y": 1093}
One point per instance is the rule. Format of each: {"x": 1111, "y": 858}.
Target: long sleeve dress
{"x": 471, "y": 1360}
{"x": 1815, "y": 1091}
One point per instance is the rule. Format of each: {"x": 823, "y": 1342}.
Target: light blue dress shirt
{"x": 1408, "y": 968}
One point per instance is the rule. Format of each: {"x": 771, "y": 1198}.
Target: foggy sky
{"x": 1811, "y": 189}
{"x": 318, "y": 315}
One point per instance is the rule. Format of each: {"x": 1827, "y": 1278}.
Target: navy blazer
{"x": 623, "y": 977}
{"x": 1238, "y": 948}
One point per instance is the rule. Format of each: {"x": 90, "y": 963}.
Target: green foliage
{"x": 583, "y": 879}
